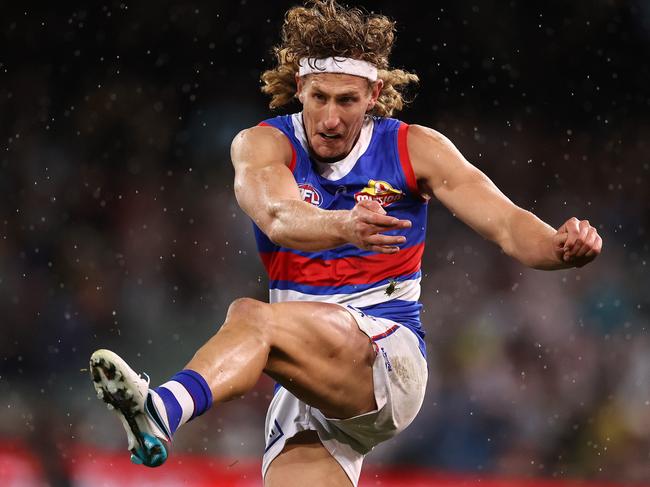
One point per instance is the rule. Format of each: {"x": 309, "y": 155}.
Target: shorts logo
{"x": 310, "y": 194}
{"x": 275, "y": 434}
{"x": 379, "y": 191}
{"x": 389, "y": 367}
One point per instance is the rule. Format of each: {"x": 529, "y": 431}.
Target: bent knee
{"x": 247, "y": 308}
{"x": 252, "y": 313}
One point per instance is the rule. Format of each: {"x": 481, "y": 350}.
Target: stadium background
{"x": 118, "y": 229}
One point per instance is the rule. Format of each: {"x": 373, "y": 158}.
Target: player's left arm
{"x": 443, "y": 172}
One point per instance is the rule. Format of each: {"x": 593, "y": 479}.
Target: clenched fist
{"x": 577, "y": 243}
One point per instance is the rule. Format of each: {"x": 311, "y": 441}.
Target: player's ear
{"x": 375, "y": 90}
{"x": 299, "y": 87}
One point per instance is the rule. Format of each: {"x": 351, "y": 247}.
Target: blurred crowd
{"x": 119, "y": 228}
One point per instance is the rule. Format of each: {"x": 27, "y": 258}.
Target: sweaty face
{"x": 334, "y": 107}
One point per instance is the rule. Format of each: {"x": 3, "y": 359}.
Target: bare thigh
{"x": 305, "y": 461}
{"x": 322, "y": 357}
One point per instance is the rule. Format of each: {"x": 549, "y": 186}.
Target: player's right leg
{"x": 125, "y": 392}
{"x": 315, "y": 350}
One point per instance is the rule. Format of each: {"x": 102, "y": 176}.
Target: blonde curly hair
{"x": 323, "y": 28}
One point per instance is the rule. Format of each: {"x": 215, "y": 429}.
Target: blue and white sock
{"x": 184, "y": 397}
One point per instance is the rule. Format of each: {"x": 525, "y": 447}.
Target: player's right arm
{"x": 267, "y": 191}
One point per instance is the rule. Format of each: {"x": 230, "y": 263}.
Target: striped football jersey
{"x": 378, "y": 168}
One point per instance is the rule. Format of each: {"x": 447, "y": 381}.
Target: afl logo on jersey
{"x": 379, "y": 191}
{"x": 310, "y": 194}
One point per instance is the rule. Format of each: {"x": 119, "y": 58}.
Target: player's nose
{"x": 332, "y": 118}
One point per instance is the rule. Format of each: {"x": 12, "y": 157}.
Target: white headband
{"x": 343, "y": 65}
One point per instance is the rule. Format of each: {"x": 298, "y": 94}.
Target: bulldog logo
{"x": 379, "y": 191}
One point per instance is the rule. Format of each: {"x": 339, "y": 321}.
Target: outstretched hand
{"x": 577, "y": 243}
{"x": 366, "y": 222}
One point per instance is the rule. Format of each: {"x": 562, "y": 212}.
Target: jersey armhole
{"x": 294, "y": 157}
{"x": 405, "y": 162}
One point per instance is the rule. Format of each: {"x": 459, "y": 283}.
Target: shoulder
{"x": 261, "y": 139}
{"x": 419, "y": 135}
{"x": 260, "y": 134}
{"x": 433, "y": 156}
{"x": 427, "y": 144}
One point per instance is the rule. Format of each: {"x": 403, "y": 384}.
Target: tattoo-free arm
{"x": 267, "y": 191}
{"x": 443, "y": 172}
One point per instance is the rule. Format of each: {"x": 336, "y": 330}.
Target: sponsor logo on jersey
{"x": 310, "y": 194}
{"x": 379, "y": 191}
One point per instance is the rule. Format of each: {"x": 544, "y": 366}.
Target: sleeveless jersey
{"x": 378, "y": 168}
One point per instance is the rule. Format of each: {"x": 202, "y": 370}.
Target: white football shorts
{"x": 400, "y": 376}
